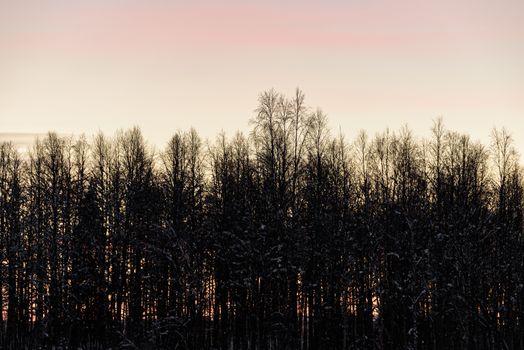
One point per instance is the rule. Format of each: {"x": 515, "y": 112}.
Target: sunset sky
{"x": 82, "y": 66}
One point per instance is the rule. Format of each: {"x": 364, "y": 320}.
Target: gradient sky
{"x": 81, "y": 66}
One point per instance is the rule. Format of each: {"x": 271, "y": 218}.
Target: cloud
{"x": 21, "y": 141}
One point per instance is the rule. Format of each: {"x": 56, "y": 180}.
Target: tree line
{"x": 290, "y": 237}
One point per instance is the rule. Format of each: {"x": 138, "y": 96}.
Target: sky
{"x": 83, "y": 66}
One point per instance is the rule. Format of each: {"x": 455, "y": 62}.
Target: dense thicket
{"x": 289, "y": 238}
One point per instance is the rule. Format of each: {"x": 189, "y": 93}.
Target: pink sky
{"x": 75, "y": 66}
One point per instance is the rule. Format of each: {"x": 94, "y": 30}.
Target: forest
{"x": 289, "y": 237}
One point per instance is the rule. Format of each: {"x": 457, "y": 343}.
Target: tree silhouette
{"x": 288, "y": 238}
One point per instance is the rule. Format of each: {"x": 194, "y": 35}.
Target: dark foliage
{"x": 288, "y": 238}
